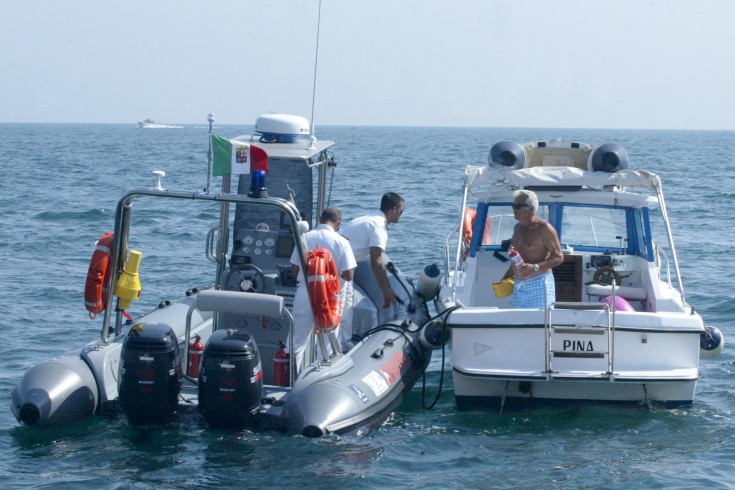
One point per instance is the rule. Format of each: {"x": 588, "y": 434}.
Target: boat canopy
{"x": 479, "y": 177}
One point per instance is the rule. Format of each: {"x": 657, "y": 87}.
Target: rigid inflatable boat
{"x": 221, "y": 349}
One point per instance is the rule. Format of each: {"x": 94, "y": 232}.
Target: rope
{"x": 441, "y": 376}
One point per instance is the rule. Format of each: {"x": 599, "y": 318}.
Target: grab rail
{"x": 243, "y": 303}
{"x": 122, "y": 225}
{"x": 210, "y": 247}
{"x": 609, "y": 328}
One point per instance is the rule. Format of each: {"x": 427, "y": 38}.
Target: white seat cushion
{"x": 638, "y": 294}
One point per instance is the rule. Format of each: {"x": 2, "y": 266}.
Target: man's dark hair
{"x": 390, "y": 200}
{"x": 330, "y": 215}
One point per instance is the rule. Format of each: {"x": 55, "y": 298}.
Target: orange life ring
{"x": 324, "y": 287}
{"x": 95, "y": 291}
{"x": 468, "y": 224}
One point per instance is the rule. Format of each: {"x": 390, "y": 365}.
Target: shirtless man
{"x": 537, "y": 242}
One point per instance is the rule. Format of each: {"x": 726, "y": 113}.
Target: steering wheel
{"x": 252, "y": 279}
{"x": 605, "y": 275}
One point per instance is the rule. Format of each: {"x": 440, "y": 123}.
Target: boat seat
{"x": 627, "y": 292}
{"x": 238, "y": 302}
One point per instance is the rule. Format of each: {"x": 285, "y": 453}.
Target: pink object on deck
{"x": 621, "y": 304}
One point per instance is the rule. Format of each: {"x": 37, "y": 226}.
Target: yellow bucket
{"x": 504, "y": 288}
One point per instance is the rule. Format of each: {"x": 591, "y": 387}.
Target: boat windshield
{"x": 583, "y": 227}
{"x": 596, "y": 227}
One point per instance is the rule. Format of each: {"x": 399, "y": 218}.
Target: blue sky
{"x": 663, "y": 64}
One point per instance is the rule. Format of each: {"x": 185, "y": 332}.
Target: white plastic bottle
{"x": 515, "y": 257}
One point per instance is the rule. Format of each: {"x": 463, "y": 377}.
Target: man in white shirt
{"x": 368, "y": 237}
{"x": 323, "y": 236}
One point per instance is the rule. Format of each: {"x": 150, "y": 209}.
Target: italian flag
{"x": 235, "y": 157}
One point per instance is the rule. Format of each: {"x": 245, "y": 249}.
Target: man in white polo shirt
{"x": 368, "y": 237}
{"x": 323, "y": 236}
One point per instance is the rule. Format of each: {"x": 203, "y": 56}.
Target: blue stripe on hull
{"x": 493, "y": 403}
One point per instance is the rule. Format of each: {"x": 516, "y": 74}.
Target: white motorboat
{"x": 151, "y": 124}
{"x": 221, "y": 349}
{"x": 618, "y": 250}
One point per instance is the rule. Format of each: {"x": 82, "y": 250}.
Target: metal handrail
{"x": 210, "y": 247}
{"x": 240, "y": 302}
{"x": 660, "y": 193}
{"x": 586, "y": 306}
{"x": 122, "y": 228}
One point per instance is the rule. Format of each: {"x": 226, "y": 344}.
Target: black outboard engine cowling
{"x": 150, "y": 373}
{"x": 230, "y": 379}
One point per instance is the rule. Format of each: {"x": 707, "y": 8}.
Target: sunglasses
{"x": 520, "y": 206}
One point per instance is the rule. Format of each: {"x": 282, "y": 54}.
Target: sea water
{"x": 59, "y": 186}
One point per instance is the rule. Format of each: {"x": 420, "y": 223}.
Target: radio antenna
{"x": 312, "y": 139}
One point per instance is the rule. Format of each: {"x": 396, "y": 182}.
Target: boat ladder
{"x": 580, "y": 351}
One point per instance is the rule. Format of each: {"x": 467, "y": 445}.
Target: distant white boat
{"x": 151, "y": 124}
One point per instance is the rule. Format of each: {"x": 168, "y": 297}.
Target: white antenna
{"x": 210, "y": 157}
{"x": 312, "y": 139}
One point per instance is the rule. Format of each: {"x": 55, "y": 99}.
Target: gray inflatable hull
{"x": 362, "y": 388}
{"x": 352, "y": 393}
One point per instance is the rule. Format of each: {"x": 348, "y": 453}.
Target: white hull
{"x": 149, "y": 124}
{"x": 648, "y": 363}
{"x": 495, "y": 394}
{"x": 159, "y": 126}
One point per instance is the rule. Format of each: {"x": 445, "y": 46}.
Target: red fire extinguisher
{"x": 195, "y": 357}
{"x": 281, "y": 361}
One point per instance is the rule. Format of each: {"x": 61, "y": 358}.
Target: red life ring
{"x": 323, "y": 285}
{"x": 95, "y": 291}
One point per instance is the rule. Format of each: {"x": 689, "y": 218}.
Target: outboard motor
{"x": 150, "y": 373}
{"x": 230, "y": 379}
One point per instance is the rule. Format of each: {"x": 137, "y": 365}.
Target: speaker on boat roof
{"x": 507, "y": 154}
{"x": 610, "y": 157}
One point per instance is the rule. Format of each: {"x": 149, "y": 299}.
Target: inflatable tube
{"x": 621, "y": 304}
{"x": 609, "y": 157}
{"x": 507, "y": 154}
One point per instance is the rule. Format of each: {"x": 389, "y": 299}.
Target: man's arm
{"x": 348, "y": 275}
{"x": 381, "y": 277}
{"x": 555, "y": 255}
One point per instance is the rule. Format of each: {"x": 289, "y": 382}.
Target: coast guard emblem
{"x": 241, "y": 154}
